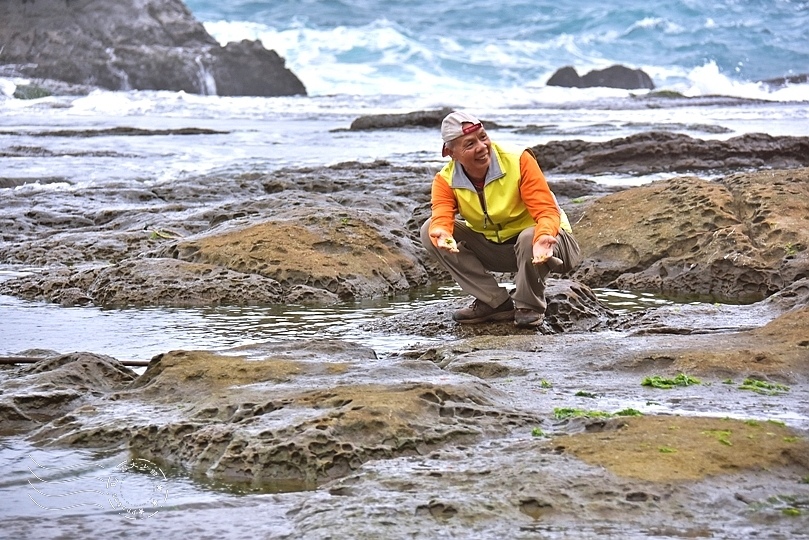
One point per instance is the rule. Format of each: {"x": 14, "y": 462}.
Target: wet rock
{"x": 305, "y": 295}
{"x": 414, "y": 438}
{"x": 29, "y": 91}
{"x": 428, "y": 119}
{"x": 535, "y": 487}
{"x": 572, "y": 307}
{"x": 425, "y": 119}
{"x": 340, "y": 231}
{"x": 616, "y": 76}
{"x": 286, "y": 412}
{"x": 135, "y": 45}
{"x": 171, "y": 282}
{"x": 780, "y": 82}
{"x": 778, "y": 352}
{"x": 349, "y": 256}
{"x": 661, "y": 449}
{"x": 740, "y": 238}
{"x": 351, "y": 231}
{"x": 35, "y": 394}
{"x": 660, "y": 151}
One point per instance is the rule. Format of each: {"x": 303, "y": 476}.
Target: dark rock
{"x": 660, "y": 151}
{"x": 56, "y": 385}
{"x": 134, "y": 44}
{"x": 780, "y": 82}
{"x": 351, "y": 231}
{"x": 430, "y": 119}
{"x": 616, "y": 76}
{"x": 427, "y": 119}
{"x": 29, "y": 91}
{"x": 567, "y": 77}
{"x": 572, "y": 307}
{"x": 245, "y": 69}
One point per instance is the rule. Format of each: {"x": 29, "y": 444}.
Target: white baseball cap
{"x": 453, "y": 127}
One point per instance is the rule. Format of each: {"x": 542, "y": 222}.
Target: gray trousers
{"x": 477, "y": 257}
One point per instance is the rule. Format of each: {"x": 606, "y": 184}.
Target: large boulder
{"x": 612, "y": 77}
{"x": 134, "y": 45}
{"x": 740, "y": 238}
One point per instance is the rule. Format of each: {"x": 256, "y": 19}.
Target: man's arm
{"x": 538, "y": 198}
{"x": 444, "y": 207}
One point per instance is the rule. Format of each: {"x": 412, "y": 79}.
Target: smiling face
{"x": 473, "y": 152}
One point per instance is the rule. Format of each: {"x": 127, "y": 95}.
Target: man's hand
{"x": 543, "y": 249}
{"x": 444, "y": 240}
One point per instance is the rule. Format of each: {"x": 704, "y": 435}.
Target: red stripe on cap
{"x": 469, "y": 129}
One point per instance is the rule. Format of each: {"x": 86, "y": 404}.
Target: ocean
{"x": 478, "y": 53}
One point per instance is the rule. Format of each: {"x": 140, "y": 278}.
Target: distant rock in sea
{"x": 613, "y": 77}
{"x": 134, "y": 45}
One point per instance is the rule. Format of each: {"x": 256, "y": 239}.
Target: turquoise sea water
{"x": 374, "y": 47}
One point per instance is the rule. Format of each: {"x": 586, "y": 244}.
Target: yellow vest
{"x": 501, "y": 215}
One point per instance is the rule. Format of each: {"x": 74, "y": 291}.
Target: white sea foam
{"x": 380, "y": 59}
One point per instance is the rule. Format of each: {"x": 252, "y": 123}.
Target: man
{"x": 510, "y": 222}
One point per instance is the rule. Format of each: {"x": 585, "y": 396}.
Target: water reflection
{"x": 624, "y": 301}
{"x": 141, "y": 333}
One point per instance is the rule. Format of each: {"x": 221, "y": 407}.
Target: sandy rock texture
{"x": 739, "y": 238}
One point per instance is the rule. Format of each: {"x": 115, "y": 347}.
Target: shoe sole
{"x": 529, "y": 324}
{"x": 501, "y": 316}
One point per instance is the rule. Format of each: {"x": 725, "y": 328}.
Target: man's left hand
{"x": 543, "y": 248}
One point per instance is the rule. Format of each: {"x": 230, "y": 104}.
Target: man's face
{"x": 472, "y": 151}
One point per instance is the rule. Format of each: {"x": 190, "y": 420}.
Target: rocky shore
{"x": 668, "y": 422}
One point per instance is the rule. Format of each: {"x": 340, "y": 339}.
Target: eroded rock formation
{"x": 740, "y": 238}
{"x": 134, "y": 45}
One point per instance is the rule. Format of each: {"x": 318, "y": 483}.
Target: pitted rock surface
{"x": 348, "y": 255}
{"x": 426, "y": 432}
{"x": 572, "y": 307}
{"x": 35, "y": 394}
{"x": 741, "y": 238}
{"x": 283, "y": 412}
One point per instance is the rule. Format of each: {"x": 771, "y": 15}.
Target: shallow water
{"x": 141, "y": 333}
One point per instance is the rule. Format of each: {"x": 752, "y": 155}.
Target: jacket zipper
{"x": 486, "y": 218}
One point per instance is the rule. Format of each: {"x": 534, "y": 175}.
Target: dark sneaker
{"x": 480, "y": 312}
{"x": 528, "y": 318}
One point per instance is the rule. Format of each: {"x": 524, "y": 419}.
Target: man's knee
{"x": 424, "y": 234}
{"x": 570, "y": 252}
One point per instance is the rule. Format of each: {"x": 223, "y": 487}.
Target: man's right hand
{"x": 444, "y": 240}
